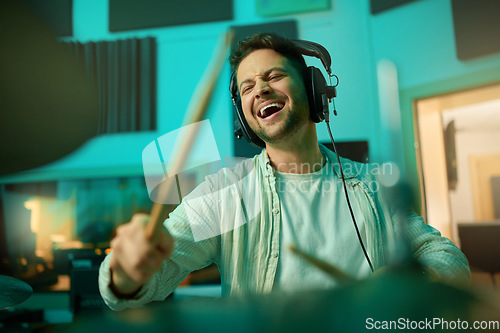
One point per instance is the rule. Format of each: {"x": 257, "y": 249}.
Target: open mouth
{"x": 270, "y": 109}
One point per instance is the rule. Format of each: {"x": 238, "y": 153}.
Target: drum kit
{"x": 13, "y": 291}
{"x": 397, "y": 298}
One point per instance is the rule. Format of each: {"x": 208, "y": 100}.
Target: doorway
{"x": 458, "y": 153}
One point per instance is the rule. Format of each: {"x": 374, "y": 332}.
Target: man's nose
{"x": 262, "y": 89}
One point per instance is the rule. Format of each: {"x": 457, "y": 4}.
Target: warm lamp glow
{"x": 34, "y": 206}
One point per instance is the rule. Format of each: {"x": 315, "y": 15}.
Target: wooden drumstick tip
{"x": 329, "y": 269}
{"x": 229, "y": 36}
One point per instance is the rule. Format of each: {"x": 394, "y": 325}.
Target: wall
{"x": 417, "y": 37}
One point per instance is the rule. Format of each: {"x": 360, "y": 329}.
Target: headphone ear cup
{"x": 315, "y": 87}
{"x": 242, "y": 128}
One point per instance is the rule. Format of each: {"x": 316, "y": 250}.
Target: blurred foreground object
{"x": 401, "y": 295}
{"x": 13, "y": 291}
{"x": 48, "y": 106}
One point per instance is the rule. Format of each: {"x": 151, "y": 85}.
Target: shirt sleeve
{"x": 438, "y": 255}
{"x": 188, "y": 255}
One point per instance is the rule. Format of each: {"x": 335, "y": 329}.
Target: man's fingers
{"x": 140, "y": 219}
{"x": 136, "y": 257}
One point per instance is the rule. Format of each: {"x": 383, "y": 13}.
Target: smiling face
{"x": 273, "y": 96}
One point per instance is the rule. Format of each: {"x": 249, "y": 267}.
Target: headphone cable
{"x": 347, "y": 197}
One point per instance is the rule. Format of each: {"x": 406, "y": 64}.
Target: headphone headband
{"x": 314, "y": 50}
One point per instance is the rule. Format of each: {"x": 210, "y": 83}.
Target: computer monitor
{"x": 480, "y": 244}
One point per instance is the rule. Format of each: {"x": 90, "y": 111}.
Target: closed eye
{"x": 246, "y": 89}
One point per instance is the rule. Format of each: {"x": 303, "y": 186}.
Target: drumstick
{"x": 183, "y": 145}
{"x": 329, "y": 269}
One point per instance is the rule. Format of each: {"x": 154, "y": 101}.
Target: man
{"x": 290, "y": 194}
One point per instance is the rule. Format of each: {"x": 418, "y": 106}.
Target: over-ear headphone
{"x": 318, "y": 92}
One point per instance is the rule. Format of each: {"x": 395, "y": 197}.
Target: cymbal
{"x": 48, "y": 106}
{"x": 13, "y": 291}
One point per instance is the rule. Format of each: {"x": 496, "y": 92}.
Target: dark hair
{"x": 272, "y": 41}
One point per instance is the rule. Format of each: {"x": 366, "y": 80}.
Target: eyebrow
{"x": 266, "y": 73}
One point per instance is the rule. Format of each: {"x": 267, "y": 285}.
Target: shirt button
{"x": 275, "y": 254}
{"x": 276, "y": 211}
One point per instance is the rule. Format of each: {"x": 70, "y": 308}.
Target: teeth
{"x": 278, "y": 105}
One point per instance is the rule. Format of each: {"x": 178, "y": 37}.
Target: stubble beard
{"x": 292, "y": 124}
